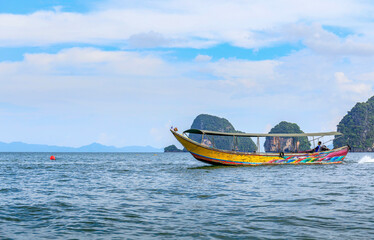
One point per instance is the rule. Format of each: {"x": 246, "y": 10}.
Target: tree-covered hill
{"x": 286, "y": 144}
{"x": 213, "y": 123}
{"x": 172, "y": 148}
{"x": 358, "y": 128}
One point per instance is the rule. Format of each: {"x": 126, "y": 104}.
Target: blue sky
{"x": 28, "y": 7}
{"x": 122, "y": 72}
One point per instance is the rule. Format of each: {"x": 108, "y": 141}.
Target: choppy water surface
{"x": 171, "y": 195}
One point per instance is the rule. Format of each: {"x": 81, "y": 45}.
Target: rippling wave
{"x": 173, "y": 196}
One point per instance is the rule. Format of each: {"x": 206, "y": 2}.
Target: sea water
{"x": 173, "y": 196}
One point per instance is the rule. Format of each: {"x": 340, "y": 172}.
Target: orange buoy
{"x": 52, "y": 157}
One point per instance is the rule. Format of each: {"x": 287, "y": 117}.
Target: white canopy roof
{"x": 320, "y": 134}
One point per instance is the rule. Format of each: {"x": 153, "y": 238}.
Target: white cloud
{"x": 349, "y": 87}
{"x": 177, "y": 23}
{"x": 79, "y": 93}
{"x": 125, "y": 97}
{"x": 85, "y": 77}
{"x": 341, "y": 79}
{"x": 367, "y": 77}
{"x": 148, "y": 40}
{"x": 90, "y": 61}
{"x": 325, "y": 42}
{"x": 238, "y": 73}
{"x": 202, "y": 58}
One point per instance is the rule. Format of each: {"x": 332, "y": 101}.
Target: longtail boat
{"x": 212, "y": 155}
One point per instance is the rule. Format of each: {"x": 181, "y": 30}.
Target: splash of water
{"x": 366, "y": 159}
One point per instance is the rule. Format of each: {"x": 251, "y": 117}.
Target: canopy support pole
{"x": 235, "y": 143}
{"x": 258, "y": 144}
{"x": 279, "y": 144}
{"x": 214, "y": 144}
{"x": 315, "y": 139}
{"x": 297, "y": 144}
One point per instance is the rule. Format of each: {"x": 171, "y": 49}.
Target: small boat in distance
{"x": 207, "y": 153}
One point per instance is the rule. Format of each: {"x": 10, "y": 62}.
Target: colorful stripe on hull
{"x": 308, "y": 161}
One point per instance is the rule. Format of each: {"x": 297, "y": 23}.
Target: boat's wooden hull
{"x": 222, "y": 157}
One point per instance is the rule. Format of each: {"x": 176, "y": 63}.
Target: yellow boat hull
{"x": 222, "y": 157}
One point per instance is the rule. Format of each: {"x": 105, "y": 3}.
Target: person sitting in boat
{"x": 320, "y": 147}
{"x": 324, "y": 148}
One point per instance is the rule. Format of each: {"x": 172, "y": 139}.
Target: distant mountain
{"x": 358, "y": 128}
{"x": 94, "y": 147}
{"x": 214, "y": 123}
{"x": 172, "y": 148}
{"x": 286, "y": 144}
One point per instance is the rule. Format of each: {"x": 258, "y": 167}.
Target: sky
{"x": 122, "y": 72}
